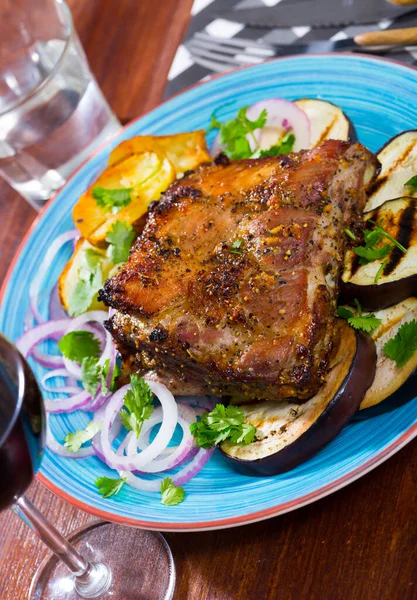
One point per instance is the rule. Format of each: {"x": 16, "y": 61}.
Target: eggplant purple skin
{"x": 376, "y": 297}
{"x": 331, "y": 421}
{"x": 352, "y": 135}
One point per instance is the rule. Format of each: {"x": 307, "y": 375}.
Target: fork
{"x": 221, "y": 54}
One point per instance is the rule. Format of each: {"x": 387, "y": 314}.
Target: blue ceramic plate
{"x": 379, "y": 97}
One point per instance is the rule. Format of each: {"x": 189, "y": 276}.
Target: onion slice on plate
{"x": 50, "y": 255}
{"x": 162, "y": 438}
{"x": 282, "y": 116}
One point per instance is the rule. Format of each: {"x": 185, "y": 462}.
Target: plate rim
{"x": 273, "y": 511}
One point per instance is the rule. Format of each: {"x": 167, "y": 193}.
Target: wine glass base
{"x": 140, "y": 562}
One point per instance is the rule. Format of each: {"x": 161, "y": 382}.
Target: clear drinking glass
{"x": 52, "y": 112}
{"x": 104, "y": 560}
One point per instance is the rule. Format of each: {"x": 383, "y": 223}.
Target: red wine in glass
{"x": 102, "y": 561}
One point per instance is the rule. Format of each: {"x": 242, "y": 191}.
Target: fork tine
{"x": 251, "y": 50}
{"x": 213, "y": 65}
{"x": 236, "y": 42}
{"x": 223, "y": 61}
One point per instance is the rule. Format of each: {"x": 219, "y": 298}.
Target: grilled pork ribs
{"x": 232, "y": 286}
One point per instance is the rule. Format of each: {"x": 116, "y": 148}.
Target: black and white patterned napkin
{"x": 184, "y": 72}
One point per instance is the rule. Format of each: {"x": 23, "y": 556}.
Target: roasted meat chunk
{"x": 231, "y": 288}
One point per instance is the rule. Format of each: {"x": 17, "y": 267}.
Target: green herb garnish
{"x": 113, "y": 200}
{"x": 74, "y": 441}
{"x": 120, "y": 238}
{"x": 109, "y": 487}
{"x": 222, "y": 423}
{"x": 402, "y": 346}
{"x": 370, "y": 254}
{"x": 284, "y": 146}
{"x": 90, "y": 374}
{"x": 379, "y": 272}
{"x": 90, "y": 280}
{"x": 233, "y": 133}
{"x": 363, "y": 322}
{"x": 412, "y": 183}
{"x": 171, "y": 494}
{"x": 234, "y": 248}
{"x": 350, "y": 234}
{"x": 77, "y": 345}
{"x": 139, "y": 402}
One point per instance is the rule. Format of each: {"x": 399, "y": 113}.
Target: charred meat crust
{"x": 232, "y": 286}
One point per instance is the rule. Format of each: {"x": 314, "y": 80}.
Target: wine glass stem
{"x": 91, "y": 579}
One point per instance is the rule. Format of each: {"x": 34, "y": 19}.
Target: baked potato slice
{"x": 148, "y": 173}
{"x": 186, "y": 151}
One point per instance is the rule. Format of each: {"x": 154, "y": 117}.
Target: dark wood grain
{"x": 358, "y": 544}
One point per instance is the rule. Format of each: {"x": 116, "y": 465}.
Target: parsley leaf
{"x": 171, "y": 494}
{"x": 403, "y": 345}
{"x": 77, "y": 345}
{"x": 363, "y": 322}
{"x": 233, "y": 133}
{"x": 139, "y": 402}
{"x": 284, "y": 146}
{"x": 389, "y": 237}
{"x": 74, "y": 441}
{"x": 369, "y": 254}
{"x": 113, "y": 200}
{"x": 90, "y": 374}
{"x": 234, "y": 248}
{"x": 120, "y": 238}
{"x": 90, "y": 280}
{"x": 105, "y": 371}
{"x": 350, "y": 234}
{"x": 223, "y": 422}
{"x": 380, "y": 270}
{"x": 412, "y": 183}
{"x": 109, "y": 487}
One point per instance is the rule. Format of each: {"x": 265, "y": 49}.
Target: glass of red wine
{"x": 102, "y": 561}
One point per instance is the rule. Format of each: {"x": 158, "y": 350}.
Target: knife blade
{"x": 320, "y": 13}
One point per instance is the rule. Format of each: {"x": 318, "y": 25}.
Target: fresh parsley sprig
{"x": 112, "y": 199}
{"x": 90, "y": 280}
{"x": 222, "y": 423}
{"x": 381, "y": 231}
{"x": 78, "y": 345}
{"x": 233, "y": 133}
{"x": 412, "y": 183}
{"x": 139, "y": 402}
{"x": 171, "y": 494}
{"x": 74, "y": 441}
{"x": 120, "y": 238}
{"x": 284, "y": 146}
{"x": 363, "y": 322}
{"x": 235, "y": 247}
{"x": 402, "y": 346}
{"x": 109, "y": 487}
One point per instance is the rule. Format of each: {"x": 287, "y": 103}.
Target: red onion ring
{"x": 162, "y": 439}
{"x": 29, "y": 340}
{"x": 49, "y": 257}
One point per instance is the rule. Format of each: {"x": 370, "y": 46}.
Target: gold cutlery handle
{"x": 405, "y": 37}
{"x": 403, "y": 2}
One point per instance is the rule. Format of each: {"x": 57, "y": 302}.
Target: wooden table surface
{"x": 357, "y": 544}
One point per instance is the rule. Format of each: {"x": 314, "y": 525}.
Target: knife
{"x": 219, "y": 54}
{"x": 320, "y": 13}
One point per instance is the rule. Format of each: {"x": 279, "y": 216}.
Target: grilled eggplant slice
{"x": 398, "y": 279}
{"x": 389, "y": 377}
{"x": 327, "y": 121}
{"x": 289, "y": 433}
{"x": 398, "y": 160}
